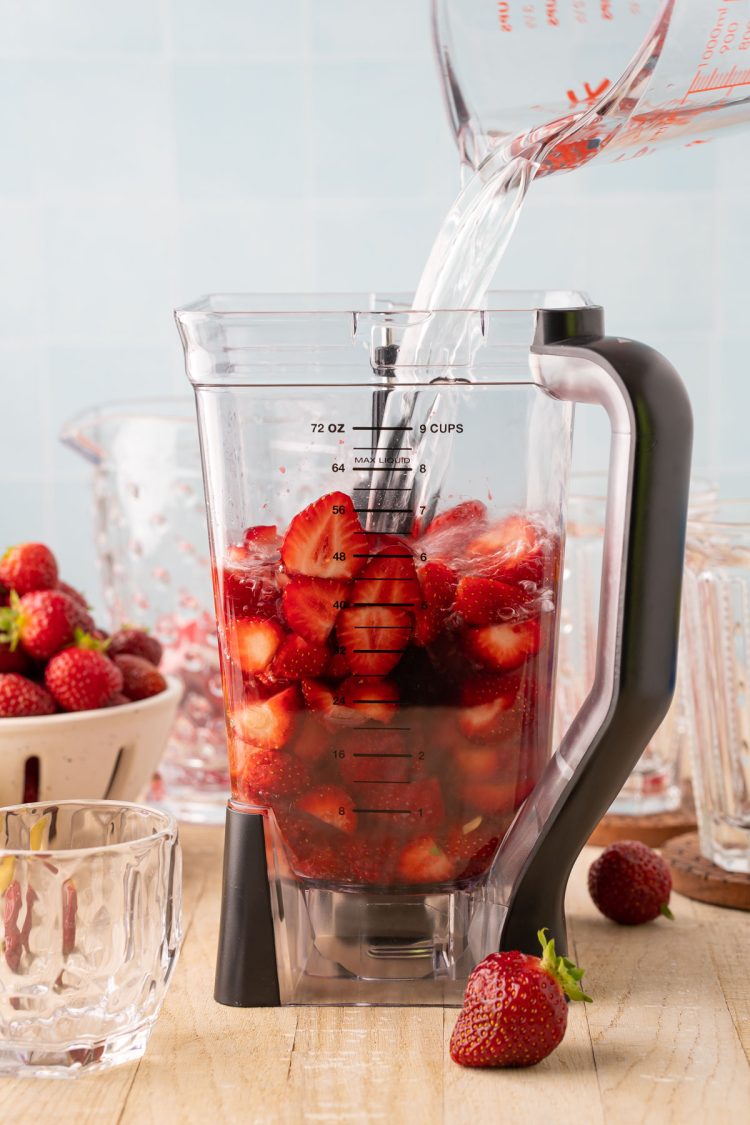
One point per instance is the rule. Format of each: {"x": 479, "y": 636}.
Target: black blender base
{"x": 246, "y": 972}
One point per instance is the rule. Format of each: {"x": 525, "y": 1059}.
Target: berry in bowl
{"x": 82, "y": 714}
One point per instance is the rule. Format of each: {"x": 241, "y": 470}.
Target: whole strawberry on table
{"x": 516, "y": 1008}
{"x": 53, "y": 657}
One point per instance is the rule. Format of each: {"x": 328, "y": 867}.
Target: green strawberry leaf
{"x": 561, "y": 969}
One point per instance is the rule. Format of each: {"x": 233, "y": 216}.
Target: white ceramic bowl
{"x": 110, "y": 753}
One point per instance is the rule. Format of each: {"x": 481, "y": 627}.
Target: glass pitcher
{"x": 150, "y": 527}
{"x": 387, "y": 595}
{"x": 571, "y": 80}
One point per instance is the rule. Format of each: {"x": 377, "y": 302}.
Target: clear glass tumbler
{"x": 655, "y": 785}
{"x": 718, "y": 627}
{"x": 91, "y": 895}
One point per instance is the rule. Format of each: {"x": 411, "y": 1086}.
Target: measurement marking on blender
{"x": 379, "y": 428}
{"x": 398, "y": 650}
{"x": 380, "y": 605}
{"x": 380, "y": 469}
{"x": 368, "y": 449}
{"x": 363, "y": 755}
{"x": 406, "y": 811}
{"x": 367, "y": 781}
{"x": 380, "y": 730}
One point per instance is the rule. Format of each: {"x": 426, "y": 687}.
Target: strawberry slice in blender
{"x": 424, "y": 861}
{"x": 270, "y": 775}
{"x": 472, "y": 845}
{"x": 511, "y": 551}
{"x": 267, "y": 723}
{"x": 503, "y": 647}
{"x": 465, "y": 518}
{"x": 311, "y": 606}
{"x": 331, "y": 805}
{"x": 375, "y": 630}
{"x": 298, "y": 659}
{"x": 264, "y": 537}
{"x": 253, "y": 642}
{"x": 486, "y": 601}
{"x": 249, "y": 590}
{"x": 371, "y": 697}
{"x": 374, "y": 754}
{"x": 325, "y": 540}
{"x": 477, "y": 763}
{"x": 312, "y": 741}
{"x": 401, "y": 806}
{"x": 489, "y": 797}
{"x": 373, "y": 638}
{"x": 437, "y": 583}
{"x": 487, "y": 706}
{"x": 327, "y": 701}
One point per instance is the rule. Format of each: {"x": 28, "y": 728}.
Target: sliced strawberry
{"x": 486, "y": 687}
{"x": 424, "y": 861}
{"x": 328, "y": 701}
{"x": 311, "y": 605}
{"x": 471, "y": 514}
{"x": 312, "y": 742}
{"x": 371, "y": 862}
{"x": 371, "y": 697}
{"x": 373, "y": 754}
{"x": 478, "y": 763}
{"x": 325, "y": 540}
{"x": 264, "y": 536}
{"x": 388, "y": 579}
{"x": 373, "y": 638}
{"x": 267, "y": 723}
{"x": 472, "y": 846}
{"x": 270, "y": 775}
{"x": 485, "y": 601}
{"x": 249, "y": 591}
{"x": 332, "y": 805}
{"x": 503, "y": 647}
{"x": 489, "y": 797}
{"x": 438, "y": 585}
{"x": 338, "y": 666}
{"x": 487, "y": 700}
{"x": 401, "y": 806}
{"x": 253, "y": 642}
{"x": 438, "y": 582}
{"x": 320, "y": 861}
{"x": 512, "y": 550}
{"x": 297, "y": 659}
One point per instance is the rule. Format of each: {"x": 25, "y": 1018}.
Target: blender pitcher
{"x": 387, "y": 541}
{"x": 150, "y": 527}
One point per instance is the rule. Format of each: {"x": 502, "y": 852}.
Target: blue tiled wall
{"x": 154, "y": 150}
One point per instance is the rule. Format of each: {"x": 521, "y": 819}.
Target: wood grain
{"x": 667, "y": 1039}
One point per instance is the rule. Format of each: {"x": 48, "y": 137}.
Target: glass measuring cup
{"x": 388, "y": 650}
{"x": 571, "y": 80}
{"x": 151, "y": 539}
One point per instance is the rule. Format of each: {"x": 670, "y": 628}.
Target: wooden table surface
{"x": 667, "y": 1039}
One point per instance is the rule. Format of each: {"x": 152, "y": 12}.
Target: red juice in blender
{"x": 389, "y": 695}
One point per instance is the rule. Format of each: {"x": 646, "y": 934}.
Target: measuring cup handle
{"x": 644, "y": 540}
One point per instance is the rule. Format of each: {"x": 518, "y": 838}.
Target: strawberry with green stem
{"x": 516, "y": 1008}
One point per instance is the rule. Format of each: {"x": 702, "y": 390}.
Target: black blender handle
{"x": 639, "y": 609}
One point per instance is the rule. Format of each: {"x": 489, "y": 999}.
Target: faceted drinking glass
{"x": 92, "y": 926}
{"x": 655, "y": 785}
{"x": 718, "y": 626}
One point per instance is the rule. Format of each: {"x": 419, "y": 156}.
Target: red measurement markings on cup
{"x": 727, "y": 36}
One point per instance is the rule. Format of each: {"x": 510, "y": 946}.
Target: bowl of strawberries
{"x": 83, "y": 714}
